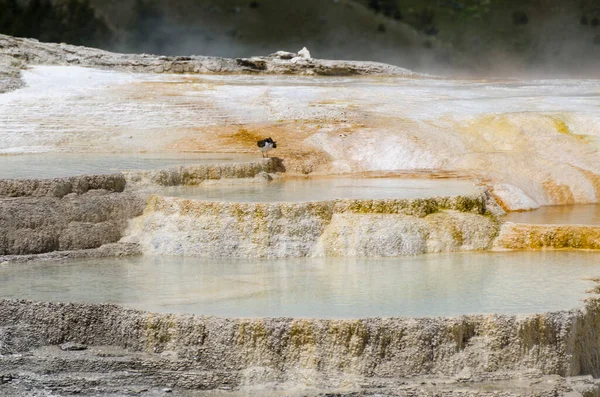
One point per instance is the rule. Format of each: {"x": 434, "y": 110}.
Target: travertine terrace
{"x": 519, "y": 145}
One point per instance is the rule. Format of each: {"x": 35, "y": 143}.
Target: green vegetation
{"x": 142, "y": 27}
{"x": 466, "y": 36}
{"x": 495, "y": 20}
{"x": 506, "y": 36}
{"x": 72, "y": 21}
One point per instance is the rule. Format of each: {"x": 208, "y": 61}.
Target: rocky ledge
{"x": 191, "y": 175}
{"x": 60, "y": 187}
{"x": 10, "y": 73}
{"x": 110, "y": 250}
{"x": 36, "y": 225}
{"x": 105, "y": 350}
{"x": 20, "y": 51}
{"x": 85, "y": 216}
{"x": 528, "y": 236}
{"x": 342, "y": 228}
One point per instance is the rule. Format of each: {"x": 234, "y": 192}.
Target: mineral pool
{"x": 427, "y": 285}
{"x": 58, "y": 165}
{"x": 321, "y": 189}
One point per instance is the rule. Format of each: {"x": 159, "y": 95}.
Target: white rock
{"x": 236, "y": 230}
{"x": 513, "y": 198}
{"x": 304, "y": 53}
{"x": 284, "y": 55}
{"x": 299, "y": 60}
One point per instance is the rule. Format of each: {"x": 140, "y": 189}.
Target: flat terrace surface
{"x": 428, "y": 285}
{"x": 321, "y": 189}
{"x": 540, "y": 137}
{"x": 582, "y": 214}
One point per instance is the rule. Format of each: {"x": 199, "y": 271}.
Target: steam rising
{"x": 548, "y": 41}
{"x": 463, "y": 38}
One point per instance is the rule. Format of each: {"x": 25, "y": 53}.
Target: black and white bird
{"x": 264, "y": 145}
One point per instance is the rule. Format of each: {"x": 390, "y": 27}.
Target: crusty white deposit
{"x": 534, "y": 142}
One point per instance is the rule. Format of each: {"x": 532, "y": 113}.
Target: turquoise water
{"x": 427, "y": 285}
{"x": 57, "y": 165}
{"x": 581, "y": 214}
{"x": 316, "y": 189}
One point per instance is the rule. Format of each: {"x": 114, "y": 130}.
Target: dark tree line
{"x": 71, "y": 21}
{"x": 389, "y": 8}
{"x": 145, "y": 28}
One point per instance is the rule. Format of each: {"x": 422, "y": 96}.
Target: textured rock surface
{"x": 529, "y": 236}
{"x": 536, "y": 143}
{"x": 469, "y": 353}
{"x": 34, "y": 225}
{"x": 172, "y": 226}
{"x": 10, "y": 73}
{"x": 512, "y": 198}
{"x": 106, "y": 250}
{"x": 33, "y": 52}
{"x": 61, "y": 187}
{"x": 392, "y": 235}
{"x": 196, "y": 174}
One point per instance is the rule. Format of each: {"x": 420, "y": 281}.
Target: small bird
{"x": 264, "y": 145}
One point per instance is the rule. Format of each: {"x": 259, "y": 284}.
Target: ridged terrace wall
{"x": 88, "y": 211}
{"x": 566, "y": 343}
{"x": 196, "y": 174}
{"x": 45, "y": 215}
{"x": 35, "y": 225}
{"x": 529, "y": 236}
{"x": 60, "y": 187}
{"x": 173, "y": 226}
